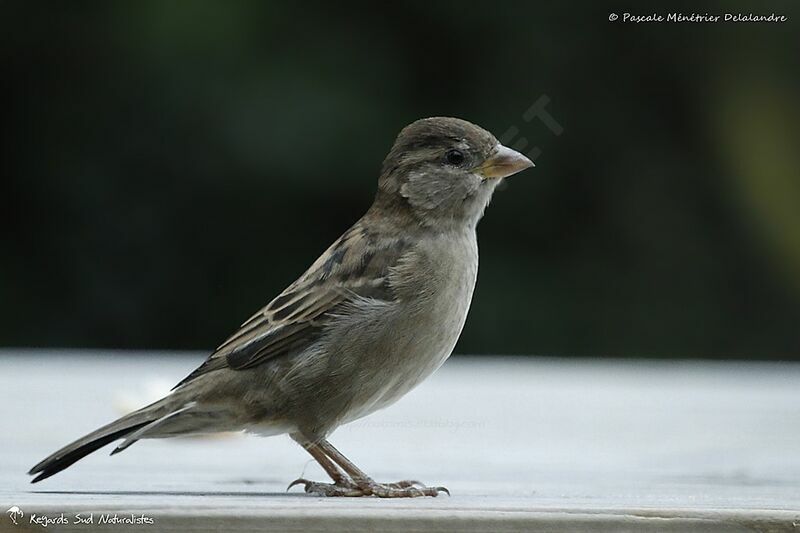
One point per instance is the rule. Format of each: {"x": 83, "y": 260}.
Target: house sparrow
{"x": 375, "y": 315}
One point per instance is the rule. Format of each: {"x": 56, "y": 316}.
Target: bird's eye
{"x": 454, "y": 157}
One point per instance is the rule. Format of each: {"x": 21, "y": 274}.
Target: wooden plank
{"x": 520, "y": 442}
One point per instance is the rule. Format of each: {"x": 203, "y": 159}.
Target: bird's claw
{"x": 298, "y": 481}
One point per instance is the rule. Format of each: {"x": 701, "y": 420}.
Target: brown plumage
{"x": 377, "y": 313}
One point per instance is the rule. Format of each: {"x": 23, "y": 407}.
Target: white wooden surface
{"x": 522, "y": 443}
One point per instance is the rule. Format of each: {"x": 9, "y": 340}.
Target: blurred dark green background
{"x": 168, "y": 167}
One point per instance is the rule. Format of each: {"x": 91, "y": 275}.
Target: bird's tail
{"x": 129, "y": 425}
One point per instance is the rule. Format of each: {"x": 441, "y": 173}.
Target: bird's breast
{"x": 435, "y": 285}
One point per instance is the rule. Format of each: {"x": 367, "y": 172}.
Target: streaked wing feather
{"x": 356, "y": 265}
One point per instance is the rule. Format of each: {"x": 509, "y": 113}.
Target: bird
{"x": 376, "y": 314}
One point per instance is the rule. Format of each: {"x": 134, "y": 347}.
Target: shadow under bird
{"x": 373, "y": 317}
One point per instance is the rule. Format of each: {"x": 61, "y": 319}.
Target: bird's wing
{"x": 357, "y": 265}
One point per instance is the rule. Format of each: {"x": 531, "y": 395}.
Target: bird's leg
{"x": 349, "y": 480}
{"x": 342, "y": 485}
{"x": 368, "y": 486}
{"x": 336, "y": 474}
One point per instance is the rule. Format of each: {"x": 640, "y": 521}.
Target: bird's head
{"x": 444, "y": 170}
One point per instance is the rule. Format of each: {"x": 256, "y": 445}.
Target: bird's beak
{"x": 504, "y": 162}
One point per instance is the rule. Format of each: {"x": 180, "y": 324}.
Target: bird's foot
{"x": 347, "y": 488}
{"x": 404, "y": 489}
{"x": 340, "y": 488}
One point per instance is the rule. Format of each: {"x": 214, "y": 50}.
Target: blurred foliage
{"x": 168, "y": 167}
